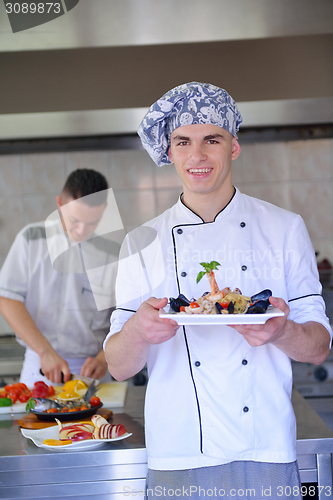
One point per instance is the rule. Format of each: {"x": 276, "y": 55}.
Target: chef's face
{"x": 79, "y": 219}
{"x": 202, "y": 156}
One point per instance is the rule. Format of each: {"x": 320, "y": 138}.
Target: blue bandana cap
{"x": 189, "y": 104}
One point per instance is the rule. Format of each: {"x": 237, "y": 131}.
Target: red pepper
{"x": 194, "y": 304}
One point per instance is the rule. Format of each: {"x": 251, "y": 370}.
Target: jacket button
{"x": 183, "y": 274}
{"x": 244, "y": 268}
{"x": 179, "y": 231}
{"x": 242, "y": 224}
{"x": 244, "y": 362}
{"x": 197, "y": 363}
{"x": 245, "y": 409}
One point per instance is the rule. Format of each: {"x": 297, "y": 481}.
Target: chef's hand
{"x": 54, "y": 367}
{"x": 272, "y": 330}
{"x": 95, "y": 367}
{"x": 147, "y": 324}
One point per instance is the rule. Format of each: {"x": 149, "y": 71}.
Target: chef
{"x": 45, "y": 294}
{"x": 218, "y": 414}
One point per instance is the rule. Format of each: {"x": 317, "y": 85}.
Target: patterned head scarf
{"x": 188, "y": 104}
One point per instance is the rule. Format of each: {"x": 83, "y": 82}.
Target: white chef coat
{"x": 211, "y": 397}
{"x": 61, "y": 301}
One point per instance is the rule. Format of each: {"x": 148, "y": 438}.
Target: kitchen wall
{"x": 295, "y": 175}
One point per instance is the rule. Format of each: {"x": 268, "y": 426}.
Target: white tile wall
{"x": 130, "y": 169}
{"x": 38, "y": 206}
{"x": 10, "y": 175}
{"x": 296, "y": 175}
{"x": 97, "y": 160}
{"x": 42, "y": 173}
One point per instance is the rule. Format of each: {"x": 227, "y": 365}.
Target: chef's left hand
{"x": 95, "y": 367}
{"x": 257, "y": 335}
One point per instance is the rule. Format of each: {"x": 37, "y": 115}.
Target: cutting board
{"x": 112, "y": 395}
{"x": 31, "y": 421}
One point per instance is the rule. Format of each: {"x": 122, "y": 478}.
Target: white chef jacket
{"x": 211, "y": 397}
{"x": 61, "y": 301}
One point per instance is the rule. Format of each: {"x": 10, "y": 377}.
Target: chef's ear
{"x": 59, "y": 203}
{"x": 236, "y": 149}
{"x": 169, "y": 154}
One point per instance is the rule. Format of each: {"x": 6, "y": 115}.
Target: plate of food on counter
{"x": 71, "y": 401}
{"x": 75, "y": 401}
{"x": 77, "y": 435}
{"x": 220, "y": 307}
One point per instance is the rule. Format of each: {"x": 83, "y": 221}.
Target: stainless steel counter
{"x": 106, "y": 472}
{"x": 113, "y": 469}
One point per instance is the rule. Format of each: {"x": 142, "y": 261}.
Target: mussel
{"x": 231, "y": 308}
{"x": 218, "y": 308}
{"x": 258, "y": 307}
{"x": 181, "y": 300}
{"x": 264, "y": 295}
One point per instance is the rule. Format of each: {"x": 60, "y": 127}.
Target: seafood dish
{"x": 74, "y": 400}
{"x": 225, "y": 301}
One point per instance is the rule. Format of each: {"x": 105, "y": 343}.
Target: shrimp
{"x": 216, "y": 294}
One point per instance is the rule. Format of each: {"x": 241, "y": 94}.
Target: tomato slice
{"x": 23, "y": 398}
{"x": 51, "y": 391}
{"x": 12, "y": 396}
{"x": 194, "y": 304}
{"x": 182, "y": 309}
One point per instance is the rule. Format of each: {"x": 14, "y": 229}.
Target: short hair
{"x": 84, "y": 182}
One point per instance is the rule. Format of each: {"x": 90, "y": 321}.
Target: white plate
{"x": 222, "y": 319}
{"x": 38, "y": 436}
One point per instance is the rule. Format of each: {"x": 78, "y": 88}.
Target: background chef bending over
{"x": 45, "y": 294}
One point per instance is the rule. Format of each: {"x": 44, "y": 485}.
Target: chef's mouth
{"x": 199, "y": 171}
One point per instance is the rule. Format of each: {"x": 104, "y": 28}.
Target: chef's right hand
{"x": 53, "y": 366}
{"x": 148, "y": 324}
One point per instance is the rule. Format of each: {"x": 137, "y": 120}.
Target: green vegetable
{"x": 6, "y": 402}
{"x": 31, "y": 403}
{"x": 208, "y": 267}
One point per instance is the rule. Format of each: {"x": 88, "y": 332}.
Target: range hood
{"x": 126, "y": 121}
{"x": 97, "y": 68}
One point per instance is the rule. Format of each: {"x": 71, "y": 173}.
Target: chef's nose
{"x": 81, "y": 228}
{"x": 197, "y": 152}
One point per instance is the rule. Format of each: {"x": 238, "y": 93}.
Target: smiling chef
{"x": 218, "y": 410}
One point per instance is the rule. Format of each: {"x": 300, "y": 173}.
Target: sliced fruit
{"x": 57, "y": 442}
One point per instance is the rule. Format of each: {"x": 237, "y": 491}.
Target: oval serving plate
{"x": 66, "y": 416}
{"x": 38, "y": 436}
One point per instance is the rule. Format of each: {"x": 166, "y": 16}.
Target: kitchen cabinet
{"x": 116, "y": 468}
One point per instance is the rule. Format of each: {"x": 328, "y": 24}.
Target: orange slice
{"x": 57, "y": 442}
